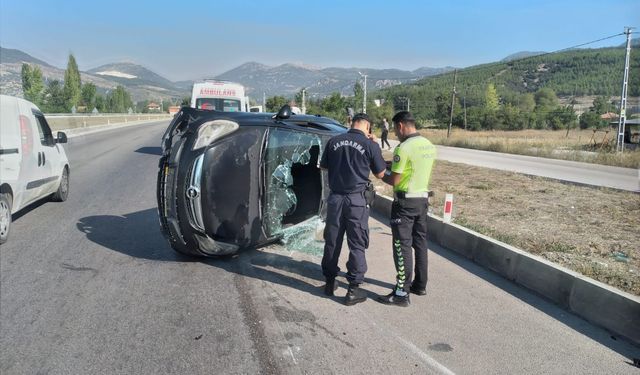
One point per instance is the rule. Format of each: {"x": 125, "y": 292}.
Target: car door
{"x": 50, "y": 155}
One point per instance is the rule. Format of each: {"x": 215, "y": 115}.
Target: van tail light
{"x": 26, "y": 136}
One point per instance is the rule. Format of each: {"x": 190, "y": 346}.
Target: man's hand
{"x": 372, "y": 137}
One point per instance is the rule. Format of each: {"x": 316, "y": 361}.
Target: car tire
{"x": 62, "y": 193}
{"x": 5, "y": 216}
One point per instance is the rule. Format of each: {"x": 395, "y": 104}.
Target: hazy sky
{"x": 194, "y": 39}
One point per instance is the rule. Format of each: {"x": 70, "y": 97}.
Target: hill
{"x": 142, "y": 83}
{"x": 521, "y": 55}
{"x": 577, "y": 72}
{"x": 129, "y": 74}
{"x": 12, "y": 56}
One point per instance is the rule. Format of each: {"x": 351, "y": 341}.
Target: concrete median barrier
{"x": 608, "y": 307}
{"x": 59, "y": 122}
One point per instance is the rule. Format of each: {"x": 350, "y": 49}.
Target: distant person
{"x": 413, "y": 161}
{"x": 349, "y": 159}
{"x": 385, "y": 134}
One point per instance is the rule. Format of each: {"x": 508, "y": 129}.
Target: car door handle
{"x": 44, "y": 158}
{"x": 39, "y": 159}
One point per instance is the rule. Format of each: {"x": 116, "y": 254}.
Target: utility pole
{"x": 304, "y": 106}
{"x": 264, "y": 101}
{"x": 453, "y": 100}
{"x": 407, "y": 100}
{"x": 464, "y": 104}
{"x": 364, "y": 99}
{"x": 623, "y": 97}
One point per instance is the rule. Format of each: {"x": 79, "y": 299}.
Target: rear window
{"x": 217, "y": 104}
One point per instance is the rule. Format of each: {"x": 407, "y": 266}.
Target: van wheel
{"x": 63, "y": 190}
{"x": 5, "y": 217}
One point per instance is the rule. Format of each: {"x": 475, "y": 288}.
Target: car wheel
{"x": 5, "y": 217}
{"x": 63, "y": 190}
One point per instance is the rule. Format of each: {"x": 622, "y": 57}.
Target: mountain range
{"x": 144, "y": 84}
{"x": 286, "y": 79}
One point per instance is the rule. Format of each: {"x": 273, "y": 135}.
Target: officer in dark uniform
{"x": 410, "y": 173}
{"x": 349, "y": 158}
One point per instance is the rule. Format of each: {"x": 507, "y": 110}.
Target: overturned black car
{"x": 234, "y": 180}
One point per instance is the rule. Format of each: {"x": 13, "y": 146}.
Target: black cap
{"x": 360, "y": 116}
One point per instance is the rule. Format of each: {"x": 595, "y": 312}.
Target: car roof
{"x": 264, "y": 119}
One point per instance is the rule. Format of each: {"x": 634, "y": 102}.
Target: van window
{"x": 46, "y": 137}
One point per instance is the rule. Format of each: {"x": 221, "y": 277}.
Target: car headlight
{"x": 212, "y": 130}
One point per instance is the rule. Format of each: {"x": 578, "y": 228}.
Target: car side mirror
{"x": 284, "y": 113}
{"x": 61, "y": 138}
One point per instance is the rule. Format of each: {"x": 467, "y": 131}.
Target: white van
{"x": 219, "y": 96}
{"x": 33, "y": 164}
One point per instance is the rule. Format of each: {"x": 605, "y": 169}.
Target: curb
{"x": 603, "y": 305}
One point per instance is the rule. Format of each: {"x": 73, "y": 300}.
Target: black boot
{"x": 330, "y": 287}
{"x": 355, "y": 295}
{"x": 418, "y": 291}
{"x": 394, "y": 299}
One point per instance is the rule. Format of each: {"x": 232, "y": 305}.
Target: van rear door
{"x": 10, "y": 146}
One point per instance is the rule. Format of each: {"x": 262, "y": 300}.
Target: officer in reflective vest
{"x": 410, "y": 172}
{"x": 349, "y": 158}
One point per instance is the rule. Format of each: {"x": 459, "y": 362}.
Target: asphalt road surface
{"x": 90, "y": 286}
{"x": 564, "y": 170}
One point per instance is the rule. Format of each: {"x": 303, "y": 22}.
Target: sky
{"x": 195, "y": 39}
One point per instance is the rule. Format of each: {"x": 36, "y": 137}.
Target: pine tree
{"x": 32, "y": 85}
{"x": 72, "y": 84}
{"x": 491, "y": 98}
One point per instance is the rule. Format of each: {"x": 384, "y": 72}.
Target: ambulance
{"x": 221, "y": 96}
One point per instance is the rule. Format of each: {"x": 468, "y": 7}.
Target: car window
{"x": 46, "y": 137}
{"x": 287, "y": 150}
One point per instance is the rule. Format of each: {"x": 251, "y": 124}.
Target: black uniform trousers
{"x": 409, "y": 229}
{"x": 346, "y": 213}
{"x": 383, "y": 139}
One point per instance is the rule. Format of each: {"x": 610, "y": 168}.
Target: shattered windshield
{"x": 293, "y": 180}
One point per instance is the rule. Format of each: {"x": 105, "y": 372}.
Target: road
{"x": 564, "y": 170}
{"x": 90, "y": 286}
{"x": 582, "y": 173}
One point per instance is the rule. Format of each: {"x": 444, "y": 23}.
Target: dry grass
{"x": 577, "y": 146}
{"x": 589, "y": 230}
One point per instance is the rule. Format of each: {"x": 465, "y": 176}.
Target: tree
{"x": 101, "y": 104}
{"x": 186, "y": 101}
{"x": 545, "y": 99}
{"x": 274, "y": 103}
{"x": 562, "y": 118}
{"x": 88, "y": 96}
{"x": 32, "y": 85}
{"x": 526, "y": 102}
{"x": 358, "y": 96}
{"x": 54, "y": 98}
{"x": 119, "y": 100}
{"x": 591, "y": 119}
{"x": 601, "y": 105}
{"x": 72, "y": 84}
{"x": 491, "y": 98}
